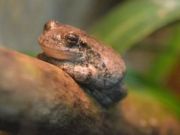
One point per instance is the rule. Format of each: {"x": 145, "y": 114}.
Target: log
{"x": 39, "y": 98}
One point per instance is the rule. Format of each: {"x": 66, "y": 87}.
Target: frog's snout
{"x": 51, "y": 25}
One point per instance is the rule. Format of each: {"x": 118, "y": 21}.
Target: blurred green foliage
{"x": 134, "y": 20}
{"x": 167, "y": 57}
{"x": 131, "y": 22}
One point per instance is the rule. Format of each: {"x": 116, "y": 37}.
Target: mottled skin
{"x": 96, "y": 67}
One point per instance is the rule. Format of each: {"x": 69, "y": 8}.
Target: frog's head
{"x": 63, "y": 41}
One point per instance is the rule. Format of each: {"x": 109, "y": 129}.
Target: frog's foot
{"x": 108, "y": 97}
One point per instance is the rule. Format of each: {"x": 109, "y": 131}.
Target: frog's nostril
{"x": 50, "y": 25}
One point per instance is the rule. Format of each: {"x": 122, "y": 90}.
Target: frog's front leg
{"x": 81, "y": 73}
{"x": 85, "y": 76}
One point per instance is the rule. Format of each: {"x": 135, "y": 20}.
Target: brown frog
{"x": 96, "y": 67}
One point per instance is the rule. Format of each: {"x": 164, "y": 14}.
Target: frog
{"x": 96, "y": 67}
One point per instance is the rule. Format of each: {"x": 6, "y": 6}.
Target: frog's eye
{"x": 72, "y": 39}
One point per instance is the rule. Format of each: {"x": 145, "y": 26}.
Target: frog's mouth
{"x": 58, "y": 53}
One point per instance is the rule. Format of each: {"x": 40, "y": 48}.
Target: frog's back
{"x": 111, "y": 59}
